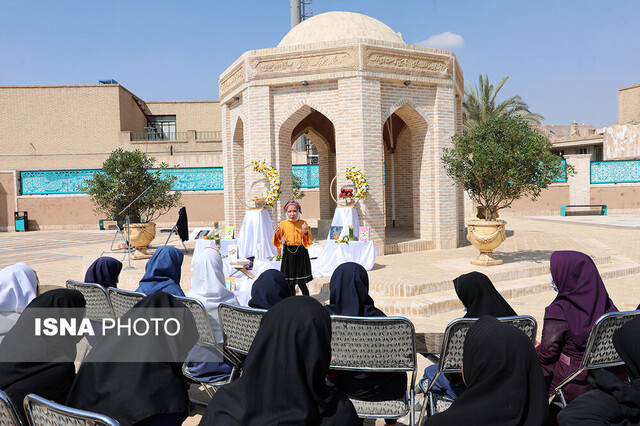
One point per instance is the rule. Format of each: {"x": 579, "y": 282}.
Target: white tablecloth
{"x": 261, "y": 265}
{"x": 334, "y": 254}
{"x": 345, "y": 217}
{"x": 243, "y": 283}
{"x": 257, "y": 228}
{"x": 224, "y": 245}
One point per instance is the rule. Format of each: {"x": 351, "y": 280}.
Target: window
{"x": 583, "y": 150}
{"x": 598, "y": 153}
{"x": 161, "y": 127}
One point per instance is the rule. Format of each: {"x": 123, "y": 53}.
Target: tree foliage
{"x": 480, "y": 105}
{"x": 296, "y": 184}
{"x": 124, "y": 176}
{"x": 502, "y": 160}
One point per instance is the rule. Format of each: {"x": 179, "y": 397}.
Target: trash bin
{"x": 21, "y": 221}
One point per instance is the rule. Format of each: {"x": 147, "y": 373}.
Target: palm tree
{"x": 480, "y": 104}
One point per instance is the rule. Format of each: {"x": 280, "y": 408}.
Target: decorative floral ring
{"x": 272, "y": 175}
{"x": 357, "y": 177}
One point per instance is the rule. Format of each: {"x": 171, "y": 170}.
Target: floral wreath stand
{"x": 254, "y": 236}
{"x": 343, "y": 201}
{"x": 271, "y": 176}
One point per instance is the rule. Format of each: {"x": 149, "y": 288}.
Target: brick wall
{"x": 629, "y": 104}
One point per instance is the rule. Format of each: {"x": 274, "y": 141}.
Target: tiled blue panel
{"x": 615, "y": 171}
{"x": 196, "y": 179}
{"x": 563, "y": 178}
{"x": 70, "y": 181}
{"x": 53, "y": 181}
{"x": 308, "y": 174}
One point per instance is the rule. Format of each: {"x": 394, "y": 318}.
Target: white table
{"x": 224, "y": 245}
{"x": 334, "y": 254}
{"x": 345, "y": 217}
{"x": 257, "y": 228}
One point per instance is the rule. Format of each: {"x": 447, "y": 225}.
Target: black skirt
{"x": 296, "y": 265}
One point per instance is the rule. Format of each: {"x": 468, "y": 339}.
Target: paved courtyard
{"x": 614, "y": 241}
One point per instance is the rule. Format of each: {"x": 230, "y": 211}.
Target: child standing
{"x": 294, "y": 237}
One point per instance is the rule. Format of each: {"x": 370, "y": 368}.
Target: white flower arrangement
{"x": 272, "y": 175}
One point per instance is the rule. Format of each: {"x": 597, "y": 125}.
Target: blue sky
{"x": 566, "y": 58}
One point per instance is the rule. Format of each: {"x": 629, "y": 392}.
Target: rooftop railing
{"x": 158, "y": 136}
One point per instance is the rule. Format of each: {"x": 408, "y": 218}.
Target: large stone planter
{"x": 140, "y": 236}
{"x": 486, "y": 235}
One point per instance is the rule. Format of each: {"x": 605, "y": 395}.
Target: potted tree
{"x": 124, "y": 176}
{"x": 496, "y": 163}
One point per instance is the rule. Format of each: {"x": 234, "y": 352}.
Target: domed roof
{"x": 332, "y": 26}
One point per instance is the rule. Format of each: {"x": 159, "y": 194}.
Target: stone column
{"x": 447, "y": 212}
{"x": 261, "y": 143}
{"x": 359, "y": 144}
{"x": 580, "y": 183}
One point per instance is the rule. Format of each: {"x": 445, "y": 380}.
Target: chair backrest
{"x": 203, "y": 322}
{"x": 385, "y": 344}
{"x": 123, "y": 300}
{"x": 456, "y": 331}
{"x": 599, "y": 351}
{"x": 42, "y": 412}
{"x": 372, "y": 344}
{"x": 98, "y": 304}
{"x": 239, "y": 326}
{"x": 8, "y": 413}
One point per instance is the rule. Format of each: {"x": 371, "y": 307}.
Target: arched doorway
{"x": 234, "y": 176}
{"x": 404, "y": 135}
{"x": 321, "y": 133}
{"x": 320, "y": 130}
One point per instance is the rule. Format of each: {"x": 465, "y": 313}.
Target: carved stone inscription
{"x": 301, "y": 63}
{"x": 232, "y": 81}
{"x": 416, "y": 63}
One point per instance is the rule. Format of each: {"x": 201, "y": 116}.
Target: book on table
{"x": 334, "y": 232}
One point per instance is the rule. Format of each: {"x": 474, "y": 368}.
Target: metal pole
{"x": 126, "y": 219}
{"x": 295, "y": 13}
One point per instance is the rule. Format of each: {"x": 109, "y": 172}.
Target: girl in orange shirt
{"x": 294, "y": 237}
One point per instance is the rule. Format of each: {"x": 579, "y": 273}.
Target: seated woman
{"x": 612, "y": 401}
{"x": 41, "y": 364}
{"x": 162, "y": 272}
{"x": 349, "y": 296}
{"x": 479, "y": 297}
{"x": 503, "y": 377}
{"x": 283, "y": 380}
{"x": 268, "y": 289}
{"x": 207, "y": 285}
{"x": 137, "y": 379}
{"x": 581, "y": 300}
{"x": 18, "y": 287}
{"x": 105, "y": 271}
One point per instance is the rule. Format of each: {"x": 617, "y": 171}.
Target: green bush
{"x": 502, "y": 160}
{"x": 124, "y": 176}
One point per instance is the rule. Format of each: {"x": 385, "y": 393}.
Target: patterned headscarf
{"x": 295, "y": 203}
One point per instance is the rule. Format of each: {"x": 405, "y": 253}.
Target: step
{"x": 438, "y": 302}
{"x": 408, "y": 246}
{"x": 496, "y": 274}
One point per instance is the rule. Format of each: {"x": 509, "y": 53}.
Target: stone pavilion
{"x": 365, "y": 98}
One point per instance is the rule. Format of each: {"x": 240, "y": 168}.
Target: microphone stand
{"x": 127, "y": 221}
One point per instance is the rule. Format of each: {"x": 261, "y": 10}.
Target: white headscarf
{"x": 207, "y": 285}
{"x": 18, "y": 286}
